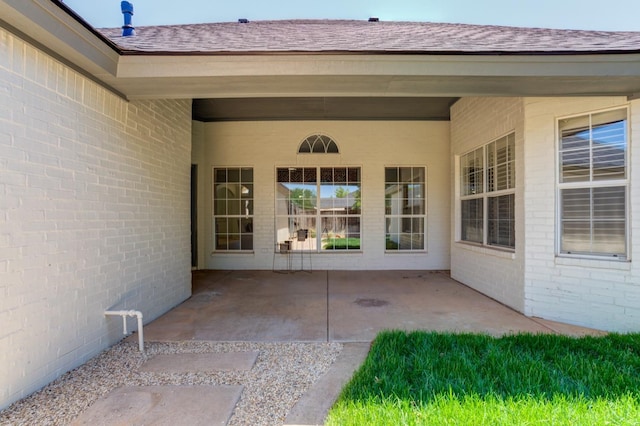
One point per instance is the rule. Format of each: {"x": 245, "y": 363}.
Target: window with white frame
{"x": 487, "y": 194}
{"x": 233, "y": 208}
{"x": 405, "y": 208}
{"x": 318, "y": 208}
{"x": 593, "y": 184}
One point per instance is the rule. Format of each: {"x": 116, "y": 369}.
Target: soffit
{"x": 323, "y": 108}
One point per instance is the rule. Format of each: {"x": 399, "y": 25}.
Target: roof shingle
{"x": 317, "y": 36}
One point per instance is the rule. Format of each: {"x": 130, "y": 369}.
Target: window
{"x": 318, "y": 209}
{"x": 233, "y": 208}
{"x": 593, "y": 184}
{"x": 405, "y": 209}
{"x": 487, "y": 194}
{"x": 318, "y": 144}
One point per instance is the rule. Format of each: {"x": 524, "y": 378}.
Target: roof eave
{"x": 52, "y": 27}
{"x": 497, "y": 53}
{"x": 87, "y": 26}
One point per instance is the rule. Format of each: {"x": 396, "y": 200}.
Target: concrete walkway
{"x": 342, "y": 306}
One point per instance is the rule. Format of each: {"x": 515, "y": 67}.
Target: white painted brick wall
{"x": 498, "y": 274}
{"x": 94, "y": 214}
{"x": 593, "y": 293}
{"x": 370, "y": 145}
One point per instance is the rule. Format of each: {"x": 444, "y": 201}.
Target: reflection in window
{"x": 233, "y": 208}
{"x": 472, "y": 172}
{"x": 318, "y": 209}
{"x": 405, "y": 208}
{"x": 472, "y": 225}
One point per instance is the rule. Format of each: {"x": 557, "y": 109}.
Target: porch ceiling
{"x": 323, "y": 108}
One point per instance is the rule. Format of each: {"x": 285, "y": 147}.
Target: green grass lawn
{"x": 341, "y": 244}
{"x": 422, "y": 378}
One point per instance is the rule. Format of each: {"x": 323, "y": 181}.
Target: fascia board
{"x": 181, "y": 66}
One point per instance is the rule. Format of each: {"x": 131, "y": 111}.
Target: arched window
{"x": 318, "y": 144}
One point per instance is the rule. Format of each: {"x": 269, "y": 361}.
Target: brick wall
{"x": 369, "y": 145}
{"x": 494, "y": 272}
{"x": 595, "y": 293}
{"x": 94, "y": 214}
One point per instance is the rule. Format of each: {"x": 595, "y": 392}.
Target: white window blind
{"x": 487, "y": 200}
{"x": 593, "y": 184}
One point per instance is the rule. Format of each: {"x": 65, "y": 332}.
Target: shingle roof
{"x": 363, "y": 36}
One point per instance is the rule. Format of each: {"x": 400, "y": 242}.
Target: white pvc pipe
{"x": 124, "y": 315}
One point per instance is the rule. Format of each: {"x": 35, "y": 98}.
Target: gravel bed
{"x": 280, "y": 375}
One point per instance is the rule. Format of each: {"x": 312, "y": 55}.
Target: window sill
{"x": 298, "y": 253}
{"x": 487, "y": 250}
{"x": 405, "y": 252}
{"x": 594, "y": 262}
{"x": 232, "y": 252}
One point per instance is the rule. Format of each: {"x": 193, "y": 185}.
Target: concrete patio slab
{"x": 365, "y": 303}
{"x": 163, "y": 405}
{"x": 192, "y": 363}
{"x": 249, "y": 306}
{"x": 568, "y": 329}
{"x": 343, "y": 306}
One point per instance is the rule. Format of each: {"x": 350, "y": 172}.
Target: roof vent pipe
{"x": 127, "y": 11}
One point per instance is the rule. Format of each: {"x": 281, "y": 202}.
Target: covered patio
{"x": 112, "y": 148}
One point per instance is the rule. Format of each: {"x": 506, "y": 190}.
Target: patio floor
{"x": 341, "y": 306}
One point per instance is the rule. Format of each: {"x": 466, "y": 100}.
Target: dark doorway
{"x": 194, "y": 215}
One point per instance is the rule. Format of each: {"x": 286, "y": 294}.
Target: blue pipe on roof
{"x": 127, "y": 11}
